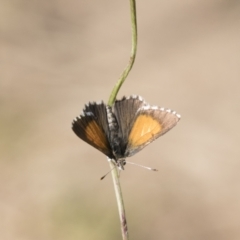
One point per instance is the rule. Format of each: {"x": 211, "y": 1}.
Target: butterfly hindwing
{"x": 149, "y": 124}
{"x": 92, "y": 127}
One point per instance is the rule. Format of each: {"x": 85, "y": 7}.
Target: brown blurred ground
{"x": 57, "y": 55}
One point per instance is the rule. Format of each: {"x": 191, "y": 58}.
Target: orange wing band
{"x": 96, "y": 135}
{"x": 144, "y": 129}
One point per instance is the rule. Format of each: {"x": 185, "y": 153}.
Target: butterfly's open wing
{"x": 92, "y": 127}
{"x": 149, "y": 124}
{"x": 125, "y": 111}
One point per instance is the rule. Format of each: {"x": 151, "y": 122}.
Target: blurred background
{"x": 55, "y": 56}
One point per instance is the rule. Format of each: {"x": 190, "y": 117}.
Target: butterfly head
{"x": 121, "y": 163}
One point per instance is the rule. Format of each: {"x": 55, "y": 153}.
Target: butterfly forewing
{"x": 149, "y": 124}
{"x": 125, "y": 111}
{"x": 92, "y": 127}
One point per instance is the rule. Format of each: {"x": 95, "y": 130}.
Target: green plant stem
{"x": 132, "y": 56}
{"x": 112, "y": 98}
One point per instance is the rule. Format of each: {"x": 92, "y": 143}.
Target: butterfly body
{"x": 124, "y": 129}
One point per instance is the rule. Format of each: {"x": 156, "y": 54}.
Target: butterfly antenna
{"x": 148, "y": 168}
{"x": 106, "y": 174}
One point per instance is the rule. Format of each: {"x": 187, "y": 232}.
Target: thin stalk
{"x": 112, "y": 98}
{"x": 132, "y": 56}
{"x": 119, "y": 198}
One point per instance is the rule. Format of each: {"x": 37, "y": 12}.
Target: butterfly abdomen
{"x": 114, "y": 138}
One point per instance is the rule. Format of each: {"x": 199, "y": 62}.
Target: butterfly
{"x": 125, "y": 128}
